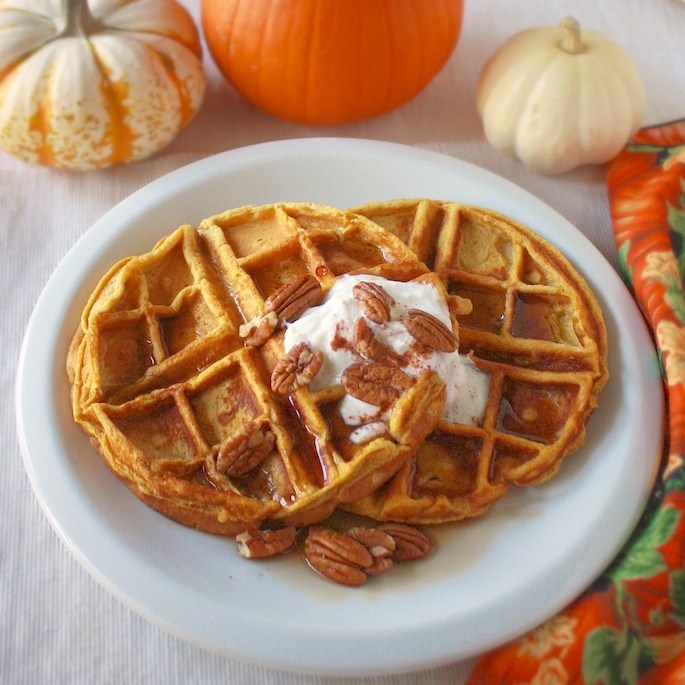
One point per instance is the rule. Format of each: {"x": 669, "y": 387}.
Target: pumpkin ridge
{"x": 415, "y": 15}
{"x": 185, "y": 98}
{"x": 618, "y": 102}
{"x": 182, "y": 29}
{"x": 526, "y": 122}
{"x": 262, "y": 85}
{"x": 212, "y": 24}
{"x": 192, "y": 46}
{"x": 384, "y": 97}
{"x": 39, "y": 121}
{"x": 315, "y": 34}
{"x": 394, "y": 81}
{"x": 239, "y": 25}
{"x": 40, "y": 124}
{"x": 4, "y": 73}
{"x": 116, "y": 130}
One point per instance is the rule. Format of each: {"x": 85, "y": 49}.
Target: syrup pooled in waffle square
{"x": 537, "y": 330}
{"x": 180, "y": 377}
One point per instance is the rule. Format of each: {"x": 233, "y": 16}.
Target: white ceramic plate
{"x": 489, "y": 580}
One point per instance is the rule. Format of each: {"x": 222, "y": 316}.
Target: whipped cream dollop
{"x": 329, "y": 327}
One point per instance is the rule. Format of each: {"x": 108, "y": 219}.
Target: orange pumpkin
{"x": 330, "y": 61}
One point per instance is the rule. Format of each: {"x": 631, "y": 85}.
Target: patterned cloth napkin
{"x": 629, "y": 626}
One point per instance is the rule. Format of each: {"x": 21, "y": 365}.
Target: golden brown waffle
{"x": 166, "y": 387}
{"x": 535, "y": 327}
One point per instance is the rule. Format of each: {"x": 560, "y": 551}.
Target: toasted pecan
{"x": 430, "y": 331}
{"x": 296, "y": 369}
{"x": 374, "y": 301}
{"x": 298, "y": 294}
{"x": 377, "y": 384}
{"x": 337, "y": 556}
{"x": 245, "y": 450}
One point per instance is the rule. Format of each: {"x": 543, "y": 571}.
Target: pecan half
{"x": 296, "y": 369}
{"x": 430, "y": 331}
{"x": 337, "y": 556}
{"x": 368, "y": 345}
{"x": 374, "y": 301}
{"x": 244, "y": 450}
{"x": 298, "y": 294}
{"x": 410, "y": 542}
{"x": 258, "y": 330}
{"x": 263, "y": 544}
{"x": 379, "y": 543}
{"x": 377, "y": 384}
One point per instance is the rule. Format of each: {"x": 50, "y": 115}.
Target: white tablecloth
{"x": 57, "y": 624}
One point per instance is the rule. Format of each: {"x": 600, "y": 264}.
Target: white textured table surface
{"x": 57, "y": 624}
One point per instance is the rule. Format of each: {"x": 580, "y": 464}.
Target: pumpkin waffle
{"x": 535, "y": 327}
{"x": 173, "y": 363}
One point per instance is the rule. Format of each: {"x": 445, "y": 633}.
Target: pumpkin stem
{"x": 571, "y": 42}
{"x": 77, "y": 20}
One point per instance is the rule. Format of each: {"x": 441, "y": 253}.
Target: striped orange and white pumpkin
{"x": 85, "y": 86}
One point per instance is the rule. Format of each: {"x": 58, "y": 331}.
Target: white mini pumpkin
{"x": 558, "y": 97}
{"x": 87, "y": 87}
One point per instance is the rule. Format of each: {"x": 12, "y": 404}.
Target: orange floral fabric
{"x": 629, "y": 627}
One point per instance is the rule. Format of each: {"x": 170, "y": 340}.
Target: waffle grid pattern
{"x": 534, "y": 327}
{"x": 162, "y": 378}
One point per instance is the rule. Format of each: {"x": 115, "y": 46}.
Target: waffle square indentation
{"x": 535, "y": 411}
{"x": 194, "y": 320}
{"x": 484, "y": 250}
{"x": 347, "y": 252}
{"x": 159, "y": 432}
{"x": 225, "y": 406}
{"x": 125, "y": 353}
{"x": 488, "y": 307}
{"x": 447, "y": 464}
{"x": 543, "y": 317}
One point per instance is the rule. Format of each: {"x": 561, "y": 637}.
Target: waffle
{"x": 166, "y": 386}
{"x": 537, "y": 330}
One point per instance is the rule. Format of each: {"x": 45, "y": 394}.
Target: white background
{"x": 59, "y": 625}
